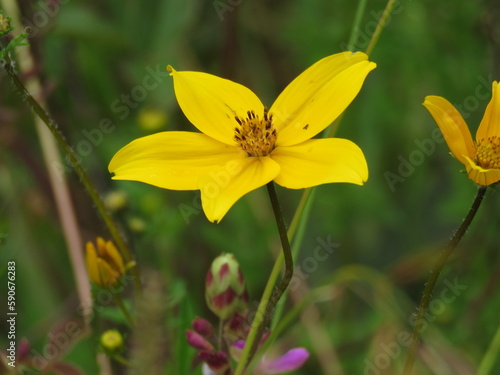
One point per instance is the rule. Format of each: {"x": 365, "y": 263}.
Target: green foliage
{"x": 5, "y": 28}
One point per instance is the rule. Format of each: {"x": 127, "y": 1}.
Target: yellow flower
{"x": 481, "y": 158}
{"x": 243, "y": 145}
{"x": 104, "y": 264}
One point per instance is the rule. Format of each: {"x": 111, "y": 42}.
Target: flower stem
{"x": 301, "y": 215}
{"x": 284, "y": 243}
{"x": 122, "y": 360}
{"x": 295, "y": 232}
{"x": 330, "y": 131}
{"x": 122, "y": 307}
{"x": 271, "y": 294}
{"x": 70, "y": 154}
{"x": 434, "y": 275}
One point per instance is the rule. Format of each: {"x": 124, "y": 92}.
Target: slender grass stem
{"x": 492, "y": 354}
{"x": 380, "y": 26}
{"x": 355, "y": 27}
{"x": 271, "y": 294}
{"x": 70, "y": 154}
{"x": 433, "y": 277}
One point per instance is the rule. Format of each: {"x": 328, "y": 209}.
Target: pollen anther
{"x": 488, "y": 153}
{"x": 256, "y": 136}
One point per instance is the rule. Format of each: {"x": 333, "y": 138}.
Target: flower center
{"x": 256, "y": 136}
{"x": 488, "y": 153}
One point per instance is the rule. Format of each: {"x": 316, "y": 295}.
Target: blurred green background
{"x": 94, "y": 59}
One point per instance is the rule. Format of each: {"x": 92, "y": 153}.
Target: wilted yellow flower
{"x": 243, "y": 145}
{"x": 481, "y": 158}
{"x": 104, "y": 264}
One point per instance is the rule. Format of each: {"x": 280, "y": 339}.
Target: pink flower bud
{"x": 23, "y": 350}
{"x": 203, "y": 327}
{"x": 225, "y": 290}
{"x": 198, "y": 342}
{"x": 218, "y": 362}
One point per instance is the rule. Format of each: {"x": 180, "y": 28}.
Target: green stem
{"x": 70, "y": 154}
{"x": 301, "y": 215}
{"x": 122, "y": 307}
{"x": 434, "y": 275}
{"x": 491, "y": 355}
{"x": 271, "y": 295}
{"x": 330, "y": 132}
{"x": 122, "y": 360}
{"x": 357, "y": 21}
{"x": 380, "y": 26}
{"x": 296, "y": 233}
{"x": 278, "y": 215}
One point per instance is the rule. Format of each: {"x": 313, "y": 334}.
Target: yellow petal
{"x": 320, "y": 161}
{"x": 490, "y": 124}
{"x": 101, "y": 246}
{"x": 452, "y": 125}
{"x": 107, "y": 276}
{"x": 221, "y": 188}
{"x": 314, "y": 99}
{"x": 171, "y": 160}
{"x": 481, "y": 176}
{"x": 115, "y": 257}
{"x": 211, "y": 103}
{"x": 91, "y": 262}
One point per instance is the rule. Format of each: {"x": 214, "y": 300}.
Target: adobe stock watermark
{"x": 59, "y": 342}
{"x": 122, "y": 107}
{"x": 406, "y": 166}
{"x": 223, "y": 6}
{"x": 482, "y": 92}
{"x": 392, "y": 350}
{"x": 310, "y": 264}
{"x": 321, "y": 252}
{"x": 426, "y": 147}
{"x": 64, "y": 337}
{"x": 47, "y": 10}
